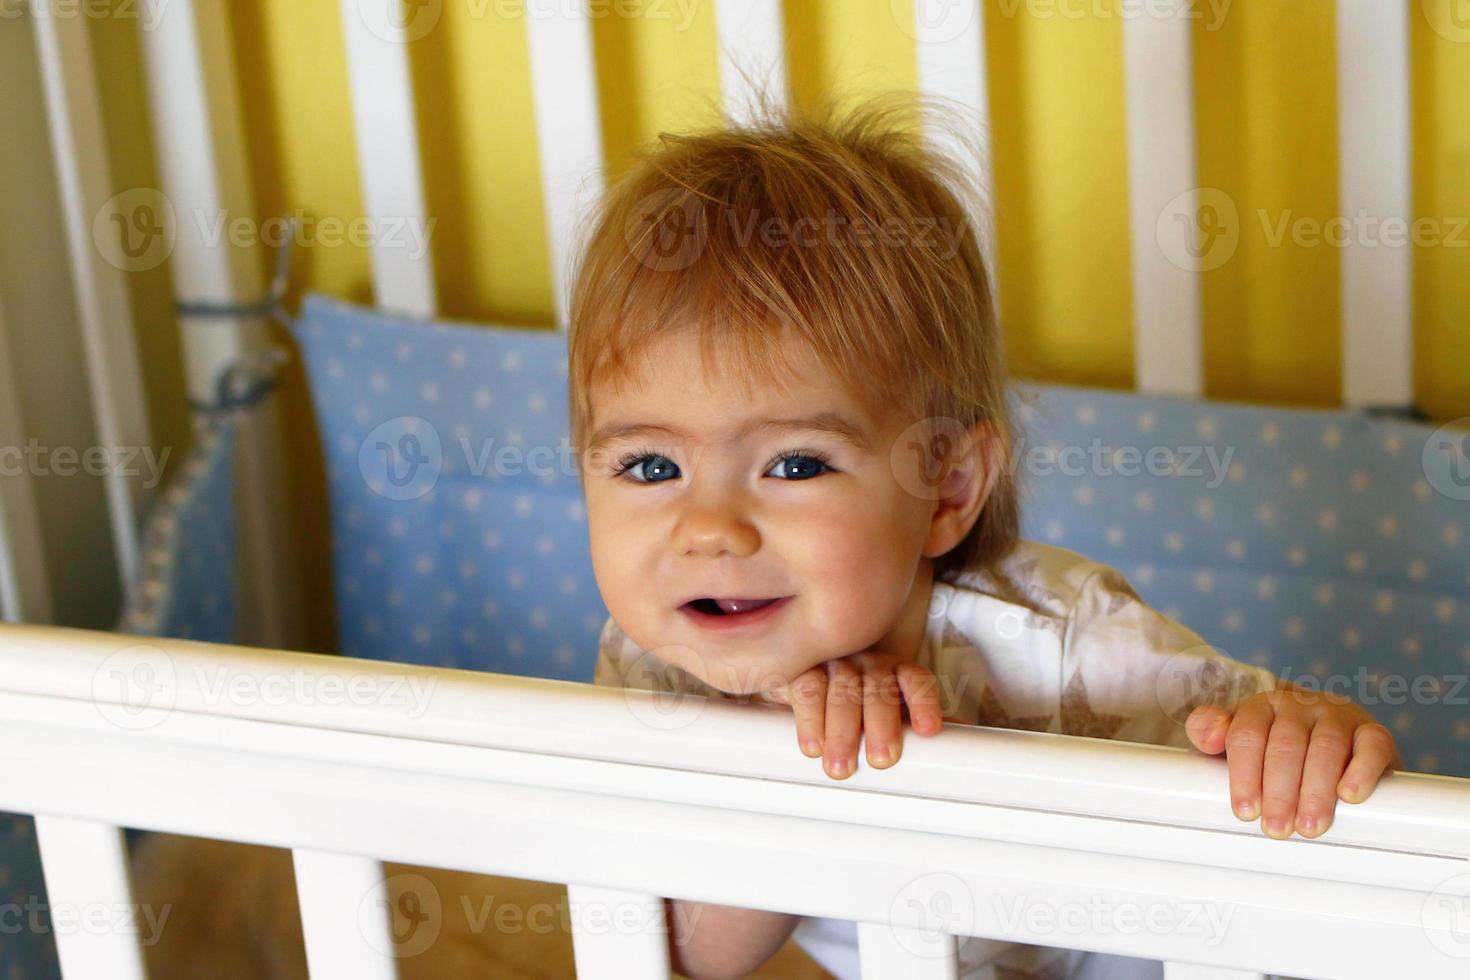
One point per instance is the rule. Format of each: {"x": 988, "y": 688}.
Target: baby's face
{"x": 726, "y": 493}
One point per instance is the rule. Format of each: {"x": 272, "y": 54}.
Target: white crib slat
{"x": 1163, "y": 185}
{"x": 617, "y": 935}
{"x": 25, "y": 592}
{"x": 568, "y": 129}
{"x": 1373, "y": 74}
{"x": 388, "y": 154}
{"x": 950, "y": 47}
{"x": 348, "y": 931}
{"x": 889, "y": 951}
{"x": 1194, "y": 971}
{"x": 74, "y": 111}
{"x": 199, "y": 141}
{"x": 86, "y": 869}
{"x": 753, "y": 41}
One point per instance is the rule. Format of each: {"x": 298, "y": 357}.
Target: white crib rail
{"x": 626, "y": 796}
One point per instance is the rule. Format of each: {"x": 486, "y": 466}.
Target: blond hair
{"x": 906, "y": 319}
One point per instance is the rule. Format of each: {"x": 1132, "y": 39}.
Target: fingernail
{"x": 1306, "y": 824}
{"x": 1350, "y": 792}
{"x": 812, "y": 747}
{"x": 837, "y": 767}
{"x": 1246, "y": 810}
{"x": 1275, "y": 828}
{"x": 880, "y": 758}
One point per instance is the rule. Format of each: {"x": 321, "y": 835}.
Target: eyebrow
{"x": 831, "y": 423}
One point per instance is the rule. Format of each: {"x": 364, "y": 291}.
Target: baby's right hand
{"x": 861, "y": 696}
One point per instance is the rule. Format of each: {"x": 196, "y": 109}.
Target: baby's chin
{"x": 758, "y": 676}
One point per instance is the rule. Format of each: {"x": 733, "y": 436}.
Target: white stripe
{"x": 346, "y": 915}
{"x": 568, "y": 130}
{"x": 1377, "y": 283}
{"x": 388, "y": 152}
{"x": 1164, "y": 203}
{"x": 25, "y": 592}
{"x": 73, "y": 107}
{"x": 887, "y": 950}
{"x": 1193, "y": 971}
{"x": 86, "y": 869}
{"x": 199, "y": 141}
{"x": 950, "y": 46}
{"x": 753, "y": 44}
{"x": 618, "y": 934}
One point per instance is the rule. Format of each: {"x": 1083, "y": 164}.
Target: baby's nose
{"x": 715, "y": 531}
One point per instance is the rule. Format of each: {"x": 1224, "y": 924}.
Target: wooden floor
{"x": 231, "y": 912}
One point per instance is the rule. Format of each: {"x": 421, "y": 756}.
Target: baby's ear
{"x": 971, "y": 469}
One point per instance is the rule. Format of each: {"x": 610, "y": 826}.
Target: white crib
{"x": 1032, "y": 837}
{"x": 630, "y": 796}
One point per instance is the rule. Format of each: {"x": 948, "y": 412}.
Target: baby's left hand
{"x": 1293, "y": 754}
{"x": 861, "y": 697}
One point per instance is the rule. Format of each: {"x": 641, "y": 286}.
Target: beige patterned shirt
{"x": 1047, "y": 640}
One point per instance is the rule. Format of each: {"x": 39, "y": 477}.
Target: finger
{"x": 1373, "y": 752}
{"x": 1327, "y": 756}
{"x": 844, "y": 719}
{"x": 882, "y": 718}
{"x": 1245, "y": 751}
{"x": 1206, "y": 727}
{"x": 920, "y": 689}
{"x": 807, "y": 696}
{"x": 1286, "y": 756}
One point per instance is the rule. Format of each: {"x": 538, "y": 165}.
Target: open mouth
{"x": 719, "y": 614}
{"x": 730, "y": 607}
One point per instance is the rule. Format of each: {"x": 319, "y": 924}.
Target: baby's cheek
{"x": 615, "y": 567}
{"x": 858, "y": 594}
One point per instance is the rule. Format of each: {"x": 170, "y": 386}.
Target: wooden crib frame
{"x": 565, "y": 782}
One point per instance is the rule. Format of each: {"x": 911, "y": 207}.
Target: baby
{"x": 789, "y": 392}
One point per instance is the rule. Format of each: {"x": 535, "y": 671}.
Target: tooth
{"x": 742, "y": 605}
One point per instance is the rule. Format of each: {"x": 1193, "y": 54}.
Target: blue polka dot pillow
{"x": 458, "y": 531}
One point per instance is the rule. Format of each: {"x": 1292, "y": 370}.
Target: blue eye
{"x": 635, "y": 462}
{"x": 802, "y": 465}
